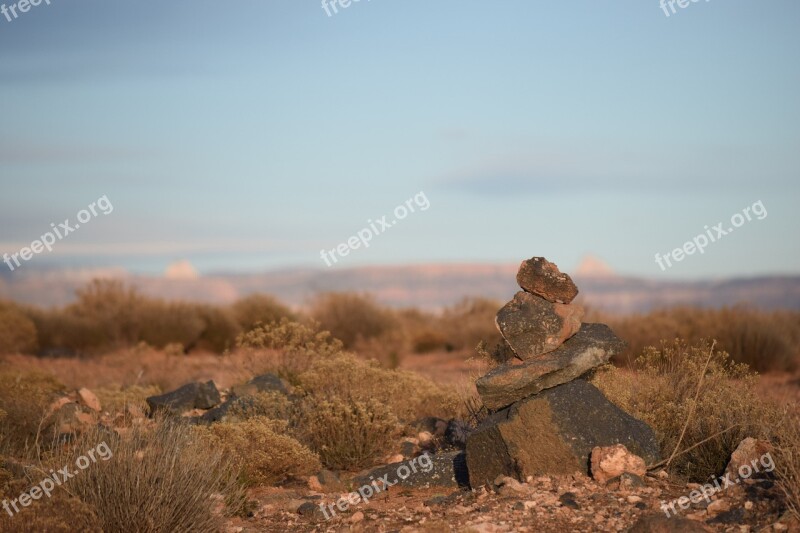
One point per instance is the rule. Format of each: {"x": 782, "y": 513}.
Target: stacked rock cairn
{"x": 544, "y": 419}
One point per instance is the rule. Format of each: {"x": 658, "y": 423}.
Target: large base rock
{"x": 553, "y": 433}
{"x": 532, "y": 326}
{"x": 191, "y": 396}
{"x": 591, "y": 347}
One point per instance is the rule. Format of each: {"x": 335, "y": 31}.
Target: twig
{"x": 694, "y": 403}
{"x": 692, "y": 447}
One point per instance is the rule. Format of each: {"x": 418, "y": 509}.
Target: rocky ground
{"x": 547, "y": 503}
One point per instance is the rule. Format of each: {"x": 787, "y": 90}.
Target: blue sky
{"x": 249, "y": 135}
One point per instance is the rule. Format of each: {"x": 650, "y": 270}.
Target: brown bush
{"x": 61, "y": 513}
{"x": 346, "y": 434}
{"x": 258, "y": 309}
{"x": 24, "y": 398}
{"x": 764, "y": 340}
{"x": 261, "y": 449}
{"x": 160, "y": 478}
{"x": 17, "y": 331}
{"x": 220, "y": 329}
{"x": 114, "y": 399}
{"x": 661, "y": 388}
{"x": 352, "y": 317}
{"x": 290, "y": 347}
{"x": 469, "y": 322}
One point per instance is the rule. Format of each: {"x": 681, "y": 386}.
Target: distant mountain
{"x": 427, "y": 286}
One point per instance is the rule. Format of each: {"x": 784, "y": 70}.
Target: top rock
{"x": 541, "y": 277}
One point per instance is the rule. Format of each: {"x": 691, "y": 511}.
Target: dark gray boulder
{"x": 532, "y": 326}
{"x": 439, "y": 470}
{"x": 191, "y": 396}
{"x": 591, "y": 347}
{"x": 553, "y": 433}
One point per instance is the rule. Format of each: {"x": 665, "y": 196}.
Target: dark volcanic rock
{"x": 591, "y": 347}
{"x": 553, "y": 433}
{"x": 532, "y": 326}
{"x": 445, "y": 470}
{"x": 456, "y": 433}
{"x": 191, "y": 396}
{"x": 541, "y": 277}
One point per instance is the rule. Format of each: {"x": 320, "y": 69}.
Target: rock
{"x": 750, "y": 452}
{"x": 541, "y": 277}
{"x": 310, "y": 510}
{"x": 330, "y": 481}
{"x": 508, "y": 486}
{"x": 191, "y": 396}
{"x": 553, "y": 433}
{"x": 718, "y": 506}
{"x": 445, "y": 470}
{"x": 71, "y": 419}
{"x": 659, "y": 523}
{"x": 456, "y": 433}
{"x": 358, "y": 516}
{"x": 608, "y": 462}
{"x": 89, "y": 399}
{"x": 591, "y": 347}
{"x": 568, "y": 500}
{"x": 262, "y": 383}
{"x": 532, "y": 326}
{"x": 314, "y": 485}
{"x": 626, "y": 481}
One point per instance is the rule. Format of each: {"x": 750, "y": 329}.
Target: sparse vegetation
{"x": 261, "y": 449}
{"x": 17, "y": 331}
{"x": 160, "y": 478}
{"x": 24, "y": 399}
{"x": 661, "y": 389}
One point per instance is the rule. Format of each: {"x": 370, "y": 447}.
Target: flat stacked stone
{"x": 544, "y": 420}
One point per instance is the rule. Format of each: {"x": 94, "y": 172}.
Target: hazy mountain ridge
{"x": 427, "y": 286}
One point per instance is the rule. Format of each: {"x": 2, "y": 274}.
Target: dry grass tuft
{"x": 160, "y": 478}
{"x": 24, "y": 400}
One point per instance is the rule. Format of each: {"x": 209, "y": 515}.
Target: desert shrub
{"x": 112, "y": 308}
{"x": 220, "y": 329}
{"x": 159, "y": 324}
{"x": 257, "y": 309}
{"x": 787, "y": 459}
{"x": 160, "y": 478}
{"x": 430, "y": 340}
{"x": 346, "y": 434}
{"x": 293, "y": 347}
{"x": 261, "y": 449}
{"x": 661, "y": 388}
{"x": 24, "y": 398}
{"x": 352, "y": 317}
{"x": 268, "y": 404}
{"x": 469, "y": 322}
{"x": 61, "y": 331}
{"x": 17, "y": 331}
{"x": 764, "y": 340}
{"x": 408, "y": 395}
